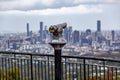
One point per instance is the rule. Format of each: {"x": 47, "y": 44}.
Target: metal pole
{"x": 58, "y": 67}
{"x": 84, "y": 68}
{"x": 31, "y": 65}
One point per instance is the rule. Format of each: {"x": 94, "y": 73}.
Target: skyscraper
{"x": 113, "y": 35}
{"x": 41, "y": 31}
{"x": 89, "y": 36}
{"x": 83, "y": 38}
{"x": 45, "y": 33}
{"x": 88, "y": 32}
{"x": 76, "y": 37}
{"x": 41, "y": 26}
{"x": 70, "y": 37}
{"x": 28, "y": 29}
{"x": 66, "y": 33}
{"x": 98, "y": 26}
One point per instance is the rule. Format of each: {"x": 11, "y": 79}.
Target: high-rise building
{"x": 66, "y": 32}
{"x": 76, "y": 36}
{"x": 41, "y": 31}
{"x": 45, "y": 33}
{"x": 98, "y": 26}
{"x": 41, "y": 26}
{"x": 88, "y": 32}
{"x": 83, "y": 39}
{"x": 28, "y": 33}
{"x": 113, "y": 35}
{"x": 14, "y": 46}
{"x": 89, "y": 36}
{"x": 8, "y": 44}
{"x": 70, "y": 37}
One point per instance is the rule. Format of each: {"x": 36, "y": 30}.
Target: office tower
{"x": 8, "y": 44}
{"x": 41, "y": 31}
{"x": 113, "y": 35}
{"x": 89, "y": 36}
{"x": 28, "y": 29}
{"x": 66, "y": 33}
{"x": 45, "y": 28}
{"x": 30, "y": 33}
{"x": 84, "y": 40}
{"x": 108, "y": 42}
{"x": 98, "y": 26}
{"x": 76, "y": 36}
{"x": 45, "y": 33}
{"x": 70, "y": 37}
{"x": 14, "y": 46}
{"x": 93, "y": 36}
{"x": 88, "y": 32}
{"x": 41, "y": 26}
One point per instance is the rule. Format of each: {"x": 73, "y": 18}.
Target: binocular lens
{"x": 51, "y": 29}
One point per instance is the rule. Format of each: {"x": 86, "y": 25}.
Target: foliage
{"x": 11, "y": 74}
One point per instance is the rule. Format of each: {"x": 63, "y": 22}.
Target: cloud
{"x": 45, "y": 4}
{"x": 80, "y": 9}
{"x": 112, "y": 1}
{"x": 25, "y": 4}
{"x": 17, "y": 4}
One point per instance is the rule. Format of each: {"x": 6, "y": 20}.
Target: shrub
{"x": 11, "y": 74}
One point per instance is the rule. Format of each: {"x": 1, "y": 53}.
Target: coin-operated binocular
{"x": 57, "y": 31}
{"x": 57, "y": 42}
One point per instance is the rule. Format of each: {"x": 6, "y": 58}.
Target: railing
{"x": 33, "y": 66}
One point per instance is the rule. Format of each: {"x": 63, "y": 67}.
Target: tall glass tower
{"x": 41, "y": 31}
{"x": 28, "y": 33}
{"x": 98, "y": 26}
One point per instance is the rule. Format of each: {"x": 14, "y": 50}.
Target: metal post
{"x": 58, "y": 68}
{"x": 84, "y": 69}
{"x": 31, "y": 65}
{"x": 58, "y": 64}
{"x": 104, "y": 68}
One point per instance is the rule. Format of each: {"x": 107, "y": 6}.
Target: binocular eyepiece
{"x": 57, "y": 31}
{"x": 57, "y": 28}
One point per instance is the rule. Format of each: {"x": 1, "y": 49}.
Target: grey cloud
{"x": 55, "y": 4}
{"x": 6, "y": 0}
{"x": 35, "y": 6}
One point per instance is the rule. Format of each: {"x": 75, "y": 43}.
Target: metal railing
{"x": 34, "y": 66}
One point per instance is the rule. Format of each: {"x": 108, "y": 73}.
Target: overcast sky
{"x": 81, "y": 14}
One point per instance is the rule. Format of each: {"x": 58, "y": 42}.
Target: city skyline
{"x": 80, "y": 14}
